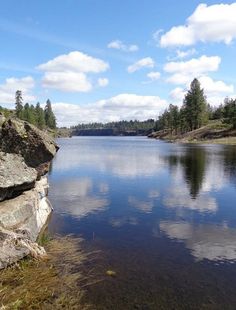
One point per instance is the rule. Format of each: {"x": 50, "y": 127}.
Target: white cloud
{"x": 183, "y": 54}
{"x": 123, "y": 106}
{"x": 11, "y": 85}
{"x": 147, "y": 62}
{"x": 69, "y": 72}
{"x": 75, "y": 62}
{"x": 156, "y": 34}
{"x": 177, "y": 95}
{"x": 216, "y": 91}
{"x": 119, "y": 45}
{"x": 102, "y": 82}
{"x": 184, "y": 71}
{"x": 214, "y": 23}
{"x": 67, "y": 81}
{"x": 154, "y": 75}
{"x": 215, "y": 87}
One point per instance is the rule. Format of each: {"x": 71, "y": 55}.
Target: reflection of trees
{"x": 193, "y": 162}
{"x": 229, "y": 154}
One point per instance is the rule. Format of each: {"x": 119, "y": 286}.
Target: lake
{"x": 161, "y": 216}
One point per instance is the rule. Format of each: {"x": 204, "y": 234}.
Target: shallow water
{"x": 162, "y": 216}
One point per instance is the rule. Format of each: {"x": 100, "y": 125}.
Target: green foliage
{"x": 49, "y": 115}
{"x": 195, "y": 106}
{"x": 19, "y": 103}
{"x": 229, "y": 112}
{"x": 192, "y": 115}
{"x": 120, "y": 126}
{"x": 5, "y": 112}
{"x": 40, "y": 118}
{"x": 34, "y": 115}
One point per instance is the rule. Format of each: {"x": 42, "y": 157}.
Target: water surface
{"x": 161, "y": 215}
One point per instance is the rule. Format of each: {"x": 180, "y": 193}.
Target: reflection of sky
{"x": 177, "y": 195}
{"x": 77, "y": 197}
{"x": 141, "y": 184}
{"x": 216, "y": 243}
{"x": 128, "y": 161}
{"x": 215, "y": 178}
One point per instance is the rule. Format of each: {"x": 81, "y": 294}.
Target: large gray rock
{"x": 15, "y": 175}
{"x": 21, "y": 220}
{"x": 36, "y": 146}
{"x": 25, "y": 156}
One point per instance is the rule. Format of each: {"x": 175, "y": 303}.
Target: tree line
{"x": 36, "y": 115}
{"x": 132, "y": 125}
{"x": 195, "y": 112}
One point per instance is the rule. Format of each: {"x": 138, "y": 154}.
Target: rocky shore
{"x": 25, "y": 156}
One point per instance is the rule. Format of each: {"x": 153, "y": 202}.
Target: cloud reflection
{"x": 77, "y": 197}
{"x": 109, "y": 156}
{"x": 178, "y": 197}
{"x": 144, "y": 206}
{"x": 121, "y": 221}
{"x": 212, "y": 242}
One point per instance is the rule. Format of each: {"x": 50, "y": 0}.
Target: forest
{"x": 35, "y": 115}
{"x": 195, "y": 112}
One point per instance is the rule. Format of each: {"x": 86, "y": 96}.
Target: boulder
{"x": 15, "y": 175}
{"x": 35, "y": 146}
{"x": 21, "y": 220}
{"x": 25, "y": 156}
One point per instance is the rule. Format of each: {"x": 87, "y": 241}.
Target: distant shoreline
{"x": 210, "y": 134}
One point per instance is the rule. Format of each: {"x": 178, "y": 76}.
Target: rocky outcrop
{"x": 36, "y": 147}
{"x": 15, "y": 175}
{"x": 21, "y": 220}
{"x": 25, "y": 155}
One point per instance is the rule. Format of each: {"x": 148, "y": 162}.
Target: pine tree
{"x": 230, "y": 111}
{"x": 32, "y": 115}
{"x": 40, "y": 118}
{"x": 195, "y": 106}
{"x": 19, "y": 103}
{"x": 50, "y": 118}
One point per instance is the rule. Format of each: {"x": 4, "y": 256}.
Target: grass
{"x": 215, "y": 132}
{"x": 54, "y": 283}
{"x": 226, "y": 140}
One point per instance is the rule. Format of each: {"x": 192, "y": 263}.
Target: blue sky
{"x": 108, "y": 60}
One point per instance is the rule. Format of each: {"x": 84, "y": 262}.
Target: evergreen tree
{"x": 40, "y": 118}
{"x": 19, "y": 103}
{"x": 230, "y": 111}
{"x": 195, "y": 106}
{"x": 50, "y": 118}
{"x": 32, "y": 115}
{"x": 26, "y": 112}
{"x": 218, "y": 113}
{"x": 173, "y": 118}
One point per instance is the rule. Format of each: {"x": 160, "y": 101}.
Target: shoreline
{"x": 222, "y": 141}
